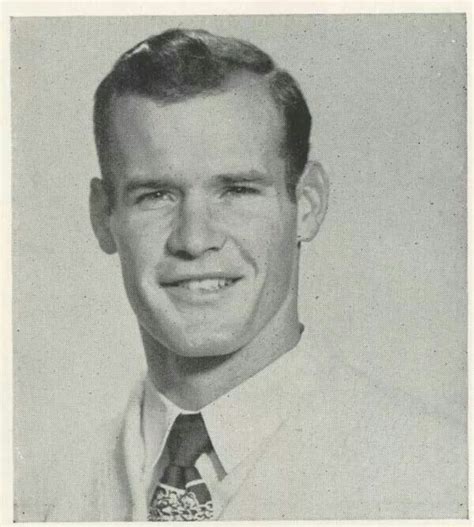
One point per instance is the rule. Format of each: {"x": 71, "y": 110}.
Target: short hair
{"x": 179, "y": 64}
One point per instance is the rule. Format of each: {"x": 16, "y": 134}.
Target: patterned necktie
{"x": 181, "y": 494}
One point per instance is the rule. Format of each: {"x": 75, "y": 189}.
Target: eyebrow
{"x": 252, "y": 176}
{"x": 148, "y": 183}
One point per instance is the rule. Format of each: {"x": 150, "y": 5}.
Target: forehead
{"x": 214, "y": 132}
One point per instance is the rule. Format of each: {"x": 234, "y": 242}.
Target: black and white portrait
{"x": 239, "y": 267}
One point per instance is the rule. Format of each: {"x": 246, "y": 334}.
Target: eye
{"x": 155, "y": 198}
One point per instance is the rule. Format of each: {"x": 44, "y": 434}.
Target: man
{"x": 207, "y": 195}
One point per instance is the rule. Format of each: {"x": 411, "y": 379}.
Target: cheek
{"x": 267, "y": 239}
{"x": 139, "y": 244}
{"x": 282, "y": 245}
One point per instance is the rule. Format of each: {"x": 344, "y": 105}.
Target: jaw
{"x": 208, "y": 370}
{"x": 193, "y": 320}
{"x": 216, "y": 325}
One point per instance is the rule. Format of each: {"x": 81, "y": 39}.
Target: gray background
{"x": 385, "y": 280}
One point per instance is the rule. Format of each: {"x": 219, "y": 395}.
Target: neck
{"x": 193, "y": 382}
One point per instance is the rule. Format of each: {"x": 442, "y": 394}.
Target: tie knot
{"x": 187, "y": 440}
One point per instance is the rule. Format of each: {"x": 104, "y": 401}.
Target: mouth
{"x": 201, "y": 285}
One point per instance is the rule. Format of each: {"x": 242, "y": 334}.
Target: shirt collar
{"x": 239, "y": 421}
{"x": 159, "y": 414}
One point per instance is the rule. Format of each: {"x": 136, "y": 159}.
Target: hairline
{"x": 228, "y": 84}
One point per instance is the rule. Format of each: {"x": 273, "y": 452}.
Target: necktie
{"x": 181, "y": 493}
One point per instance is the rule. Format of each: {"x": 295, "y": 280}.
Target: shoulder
{"x": 371, "y": 451}
{"x": 90, "y": 470}
{"x": 72, "y": 486}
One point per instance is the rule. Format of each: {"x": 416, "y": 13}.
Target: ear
{"x": 99, "y": 209}
{"x": 312, "y": 194}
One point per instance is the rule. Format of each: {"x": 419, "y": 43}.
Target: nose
{"x": 194, "y": 231}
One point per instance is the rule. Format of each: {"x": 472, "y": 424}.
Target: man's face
{"x": 202, "y": 220}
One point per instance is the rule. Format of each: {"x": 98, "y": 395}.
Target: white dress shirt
{"x": 237, "y": 423}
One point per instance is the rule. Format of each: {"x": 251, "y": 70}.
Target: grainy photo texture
{"x": 239, "y": 267}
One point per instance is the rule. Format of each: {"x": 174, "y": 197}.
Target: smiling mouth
{"x": 205, "y": 285}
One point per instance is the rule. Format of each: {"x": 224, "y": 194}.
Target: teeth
{"x": 209, "y": 284}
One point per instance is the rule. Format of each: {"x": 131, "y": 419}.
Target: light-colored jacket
{"x": 351, "y": 450}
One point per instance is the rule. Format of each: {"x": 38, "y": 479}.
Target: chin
{"x": 207, "y": 346}
{"x": 196, "y": 343}
{"x": 209, "y": 331}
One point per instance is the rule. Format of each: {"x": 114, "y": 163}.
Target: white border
{"x": 191, "y": 7}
